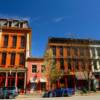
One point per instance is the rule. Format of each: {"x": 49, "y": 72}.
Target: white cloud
{"x": 15, "y": 17}
{"x": 58, "y": 19}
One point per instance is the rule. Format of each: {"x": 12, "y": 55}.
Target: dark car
{"x": 61, "y": 92}
{"x": 9, "y": 92}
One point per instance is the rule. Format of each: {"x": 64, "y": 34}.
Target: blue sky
{"x": 56, "y": 18}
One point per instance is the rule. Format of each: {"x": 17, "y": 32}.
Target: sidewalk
{"x": 37, "y": 95}
{"x": 29, "y": 95}
{"x": 88, "y": 93}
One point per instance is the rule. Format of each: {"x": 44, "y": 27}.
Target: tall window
{"x": 93, "y": 52}
{"x": 98, "y": 51}
{"x": 75, "y": 51}
{"x": 82, "y": 65}
{"x": 81, "y": 51}
{"x": 62, "y": 64}
{"x": 69, "y": 64}
{"x": 68, "y": 51}
{"x": 4, "y": 58}
{"x": 14, "y": 41}
{"x": 5, "y": 40}
{"x": 76, "y": 65}
{"x": 95, "y": 64}
{"x": 22, "y": 41}
{"x": 61, "y": 51}
{"x": 43, "y": 68}
{"x": 54, "y": 50}
{"x": 22, "y": 59}
{"x": 34, "y": 68}
{"x": 12, "y": 61}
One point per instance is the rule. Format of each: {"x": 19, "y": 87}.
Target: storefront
{"x": 13, "y": 78}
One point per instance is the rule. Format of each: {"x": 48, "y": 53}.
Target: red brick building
{"x": 36, "y": 78}
{"x": 72, "y": 57}
{"x": 15, "y": 39}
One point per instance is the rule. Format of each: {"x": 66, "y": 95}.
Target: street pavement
{"x": 75, "y": 97}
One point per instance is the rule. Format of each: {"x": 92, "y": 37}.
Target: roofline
{"x": 35, "y": 59}
{"x": 72, "y": 39}
{"x": 13, "y": 19}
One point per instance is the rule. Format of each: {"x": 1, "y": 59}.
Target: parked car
{"x": 61, "y": 92}
{"x": 9, "y": 92}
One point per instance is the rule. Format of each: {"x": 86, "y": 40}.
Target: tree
{"x": 51, "y": 70}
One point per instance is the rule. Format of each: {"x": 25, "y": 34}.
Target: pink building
{"x": 36, "y": 79}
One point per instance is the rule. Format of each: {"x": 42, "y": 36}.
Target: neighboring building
{"x": 36, "y": 78}
{"x": 72, "y": 57}
{"x": 15, "y": 39}
{"x": 95, "y": 61}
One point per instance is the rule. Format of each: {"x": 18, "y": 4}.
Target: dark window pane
{"x": 95, "y": 64}
{"x": 22, "y": 41}
{"x": 69, "y": 64}
{"x": 22, "y": 59}
{"x": 54, "y": 50}
{"x": 76, "y": 65}
{"x": 34, "y": 68}
{"x": 12, "y": 62}
{"x": 14, "y": 41}
{"x": 4, "y": 58}
{"x": 62, "y": 64}
{"x": 5, "y": 40}
{"x": 93, "y": 52}
{"x": 68, "y": 51}
{"x": 75, "y": 51}
{"x": 98, "y": 51}
{"x": 81, "y": 51}
{"x": 43, "y": 68}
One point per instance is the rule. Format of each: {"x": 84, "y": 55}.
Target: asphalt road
{"x": 89, "y": 97}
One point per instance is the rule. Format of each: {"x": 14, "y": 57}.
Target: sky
{"x": 55, "y": 18}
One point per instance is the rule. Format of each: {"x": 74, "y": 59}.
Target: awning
{"x": 43, "y": 80}
{"x": 81, "y": 75}
{"x": 34, "y": 80}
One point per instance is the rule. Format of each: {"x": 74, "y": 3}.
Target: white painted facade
{"x": 96, "y": 58}
{"x": 28, "y": 45}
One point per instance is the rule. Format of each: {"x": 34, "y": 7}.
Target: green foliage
{"x": 50, "y": 64}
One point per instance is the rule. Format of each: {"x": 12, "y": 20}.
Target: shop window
{"x": 43, "y": 86}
